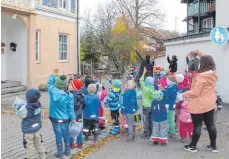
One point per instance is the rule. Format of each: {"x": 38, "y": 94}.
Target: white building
{"x": 200, "y": 39}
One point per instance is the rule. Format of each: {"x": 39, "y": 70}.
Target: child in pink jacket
{"x": 102, "y": 93}
{"x": 186, "y": 126}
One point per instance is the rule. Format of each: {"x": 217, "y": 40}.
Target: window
{"x": 63, "y": 4}
{"x": 208, "y": 23}
{"x": 63, "y": 47}
{"x": 37, "y": 55}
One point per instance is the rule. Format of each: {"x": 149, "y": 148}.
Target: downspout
{"x": 187, "y": 20}
{"x": 199, "y": 25}
{"x": 77, "y": 38}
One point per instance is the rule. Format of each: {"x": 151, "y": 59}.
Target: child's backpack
{"x": 78, "y": 105}
{"x": 20, "y": 106}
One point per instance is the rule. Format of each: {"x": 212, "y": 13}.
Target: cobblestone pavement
{"x": 11, "y": 139}
{"x": 143, "y": 149}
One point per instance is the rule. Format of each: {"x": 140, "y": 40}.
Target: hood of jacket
{"x": 210, "y": 77}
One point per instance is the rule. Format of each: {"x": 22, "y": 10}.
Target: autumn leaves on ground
{"x": 102, "y": 142}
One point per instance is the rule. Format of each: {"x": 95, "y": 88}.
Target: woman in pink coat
{"x": 202, "y": 102}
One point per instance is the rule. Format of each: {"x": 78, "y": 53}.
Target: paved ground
{"x": 143, "y": 149}
{"x": 11, "y": 138}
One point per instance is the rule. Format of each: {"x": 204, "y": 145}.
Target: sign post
{"x": 219, "y": 35}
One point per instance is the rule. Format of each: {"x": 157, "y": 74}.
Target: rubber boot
{"x": 59, "y": 153}
{"x": 115, "y": 130}
{"x": 67, "y": 150}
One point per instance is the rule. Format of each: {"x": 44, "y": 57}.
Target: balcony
{"x": 193, "y": 8}
{"x": 19, "y": 5}
{"x": 64, "y": 7}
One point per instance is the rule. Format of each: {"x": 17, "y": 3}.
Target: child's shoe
{"x": 163, "y": 142}
{"x": 155, "y": 141}
{"x": 72, "y": 146}
{"x": 172, "y": 136}
{"x": 130, "y": 138}
{"x": 144, "y": 136}
{"x": 102, "y": 123}
{"x": 115, "y": 130}
{"x": 79, "y": 145}
{"x": 182, "y": 139}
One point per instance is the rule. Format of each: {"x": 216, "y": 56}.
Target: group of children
{"x": 164, "y": 110}
{"x": 70, "y": 102}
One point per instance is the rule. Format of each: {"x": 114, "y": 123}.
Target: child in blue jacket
{"x": 114, "y": 104}
{"x": 61, "y": 111}
{"x": 159, "y": 118}
{"x": 129, "y": 107}
{"x": 170, "y": 96}
{"x": 75, "y": 88}
{"x": 91, "y": 113}
{"x": 32, "y": 124}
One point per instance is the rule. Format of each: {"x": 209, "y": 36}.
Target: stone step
{"x": 8, "y": 84}
{"x": 15, "y": 89}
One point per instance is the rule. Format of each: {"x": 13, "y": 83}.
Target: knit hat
{"x": 179, "y": 78}
{"x": 91, "y": 88}
{"x": 77, "y": 84}
{"x": 117, "y": 84}
{"x": 158, "y": 68}
{"x": 131, "y": 84}
{"x": 163, "y": 73}
{"x": 158, "y": 95}
{"x": 61, "y": 82}
{"x": 33, "y": 95}
{"x": 149, "y": 81}
{"x": 172, "y": 78}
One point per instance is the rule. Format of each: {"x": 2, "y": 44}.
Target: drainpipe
{"x": 187, "y": 20}
{"x": 77, "y": 37}
{"x": 199, "y": 25}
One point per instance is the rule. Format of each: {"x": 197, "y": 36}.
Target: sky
{"x": 174, "y": 11}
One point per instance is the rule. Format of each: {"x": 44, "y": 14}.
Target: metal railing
{"x": 193, "y": 8}
{"x": 28, "y": 4}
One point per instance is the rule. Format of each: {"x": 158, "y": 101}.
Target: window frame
{"x": 206, "y": 23}
{"x": 62, "y": 4}
{"x": 38, "y": 46}
{"x": 67, "y": 47}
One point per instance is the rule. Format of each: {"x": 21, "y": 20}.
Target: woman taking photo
{"x": 202, "y": 102}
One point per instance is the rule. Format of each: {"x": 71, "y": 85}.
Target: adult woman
{"x": 193, "y": 60}
{"x": 202, "y": 100}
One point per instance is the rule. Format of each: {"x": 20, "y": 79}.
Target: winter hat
{"x": 172, "y": 78}
{"x": 33, "y": 95}
{"x": 179, "y": 78}
{"x": 163, "y": 73}
{"x": 77, "y": 84}
{"x": 158, "y": 95}
{"x": 91, "y": 88}
{"x": 149, "y": 81}
{"x": 131, "y": 84}
{"x": 117, "y": 84}
{"x": 61, "y": 82}
{"x": 158, "y": 68}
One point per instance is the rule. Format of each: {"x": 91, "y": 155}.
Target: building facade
{"x": 44, "y": 33}
{"x": 181, "y": 46}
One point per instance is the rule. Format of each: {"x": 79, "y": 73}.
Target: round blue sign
{"x": 219, "y": 35}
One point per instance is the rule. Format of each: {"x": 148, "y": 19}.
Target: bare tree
{"x": 140, "y": 12}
